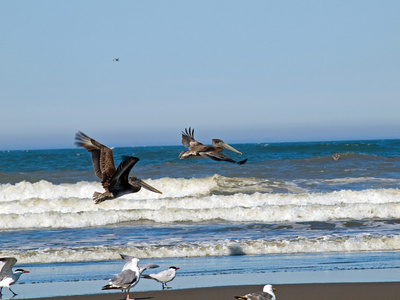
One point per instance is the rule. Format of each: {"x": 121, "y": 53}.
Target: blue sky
{"x": 243, "y": 71}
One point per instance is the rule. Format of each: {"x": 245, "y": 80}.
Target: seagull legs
{"x": 127, "y": 295}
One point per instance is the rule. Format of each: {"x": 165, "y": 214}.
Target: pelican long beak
{"x": 230, "y": 148}
{"x": 147, "y": 186}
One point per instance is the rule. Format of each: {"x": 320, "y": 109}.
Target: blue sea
{"x": 291, "y": 214}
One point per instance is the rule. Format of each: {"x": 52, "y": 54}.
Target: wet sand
{"x": 326, "y": 291}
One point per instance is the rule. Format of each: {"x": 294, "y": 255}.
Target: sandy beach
{"x": 326, "y": 291}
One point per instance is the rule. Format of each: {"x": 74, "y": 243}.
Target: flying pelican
{"x": 266, "y": 294}
{"x": 129, "y": 276}
{"x": 7, "y": 276}
{"x": 164, "y": 276}
{"x": 115, "y": 181}
{"x": 213, "y": 152}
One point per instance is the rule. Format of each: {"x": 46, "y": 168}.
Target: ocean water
{"x": 291, "y": 208}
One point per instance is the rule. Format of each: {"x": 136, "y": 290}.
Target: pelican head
{"x": 220, "y": 144}
{"x": 138, "y": 183}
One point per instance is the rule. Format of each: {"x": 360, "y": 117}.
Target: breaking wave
{"x": 301, "y": 244}
{"x": 47, "y": 205}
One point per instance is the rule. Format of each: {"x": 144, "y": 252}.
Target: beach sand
{"x": 324, "y": 291}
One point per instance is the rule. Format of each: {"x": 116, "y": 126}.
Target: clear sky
{"x": 243, "y": 71}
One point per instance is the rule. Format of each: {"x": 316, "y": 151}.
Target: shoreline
{"x": 309, "y": 291}
{"x": 75, "y": 290}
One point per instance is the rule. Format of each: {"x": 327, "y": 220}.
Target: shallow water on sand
{"x": 59, "y": 279}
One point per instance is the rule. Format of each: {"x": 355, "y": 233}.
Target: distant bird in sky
{"x": 164, "y": 276}
{"x": 116, "y": 59}
{"x": 266, "y": 294}
{"x": 116, "y": 182}
{"x": 213, "y": 152}
{"x": 7, "y": 276}
{"x": 336, "y": 156}
{"x": 129, "y": 276}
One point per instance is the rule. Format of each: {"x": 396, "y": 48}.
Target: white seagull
{"x": 129, "y": 276}
{"x": 7, "y": 276}
{"x": 266, "y": 294}
{"x": 164, "y": 276}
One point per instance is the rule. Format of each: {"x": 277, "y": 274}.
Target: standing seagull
{"x": 213, "y": 152}
{"x": 7, "y": 276}
{"x": 129, "y": 276}
{"x": 164, "y": 276}
{"x": 266, "y": 294}
{"x": 115, "y": 181}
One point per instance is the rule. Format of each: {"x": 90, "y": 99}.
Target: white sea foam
{"x": 45, "y": 190}
{"x": 45, "y": 205}
{"x": 331, "y": 243}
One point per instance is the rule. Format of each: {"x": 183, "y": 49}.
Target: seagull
{"x": 212, "y": 152}
{"x": 164, "y": 276}
{"x": 143, "y": 268}
{"x": 336, "y": 156}
{"x": 116, "y": 59}
{"x": 7, "y": 276}
{"x": 115, "y": 181}
{"x": 266, "y": 294}
{"x": 129, "y": 276}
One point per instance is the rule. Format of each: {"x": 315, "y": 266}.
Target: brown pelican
{"x": 115, "y": 181}
{"x": 213, "y": 152}
{"x": 7, "y": 276}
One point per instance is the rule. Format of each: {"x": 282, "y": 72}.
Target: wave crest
{"x": 45, "y": 205}
{"x": 331, "y": 243}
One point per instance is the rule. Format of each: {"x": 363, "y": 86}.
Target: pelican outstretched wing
{"x": 120, "y": 176}
{"x": 218, "y": 156}
{"x": 188, "y": 139}
{"x": 102, "y": 156}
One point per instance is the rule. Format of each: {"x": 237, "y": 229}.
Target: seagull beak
{"x": 147, "y": 186}
{"x": 274, "y": 289}
{"x": 26, "y": 272}
{"x": 230, "y": 148}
